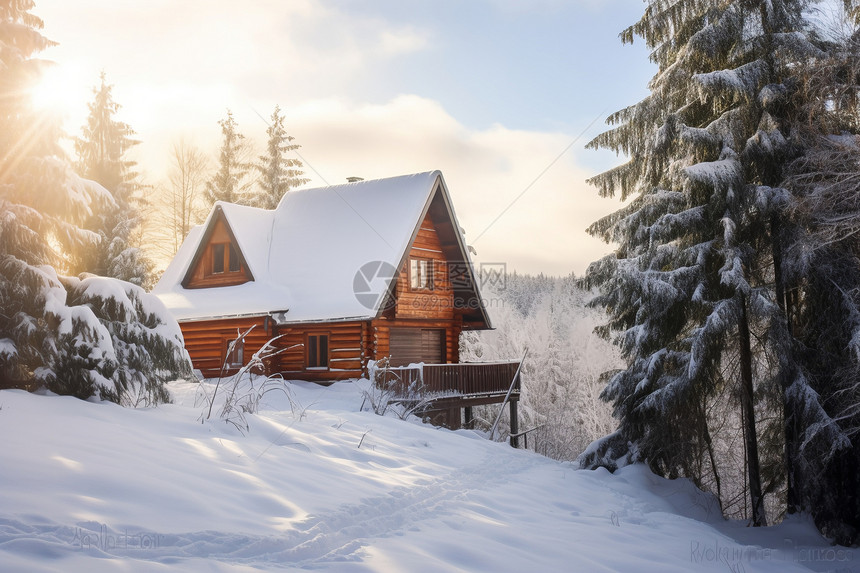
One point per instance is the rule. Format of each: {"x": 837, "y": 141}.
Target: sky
{"x": 500, "y": 95}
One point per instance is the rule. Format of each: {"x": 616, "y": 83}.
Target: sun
{"x": 59, "y": 92}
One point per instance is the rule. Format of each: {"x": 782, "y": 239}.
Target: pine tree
{"x": 228, "y": 184}
{"x": 52, "y": 334}
{"x": 696, "y": 289}
{"x": 101, "y": 157}
{"x": 822, "y": 297}
{"x": 42, "y": 204}
{"x": 278, "y": 173}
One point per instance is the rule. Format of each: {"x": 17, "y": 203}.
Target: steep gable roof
{"x": 305, "y": 254}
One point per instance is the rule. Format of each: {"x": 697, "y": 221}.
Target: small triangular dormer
{"x": 218, "y": 261}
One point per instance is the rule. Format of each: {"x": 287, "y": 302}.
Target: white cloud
{"x": 177, "y": 66}
{"x": 402, "y": 41}
{"x": 293, "y": 50}
{"x": 519, "y": 6}
{"x": 541, "y": 229}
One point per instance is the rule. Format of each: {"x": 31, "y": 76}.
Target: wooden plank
{"x": 344, "y": 358}
{"x": 206, "y": 341}
{"x": 437, "y": 302}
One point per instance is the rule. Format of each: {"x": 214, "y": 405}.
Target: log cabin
{"x": 344, "y": 275}
{"x": 339, "y": 277}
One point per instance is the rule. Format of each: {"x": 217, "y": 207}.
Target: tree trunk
{"x": 789, "y": 435}
{"x": 753, "y": 472}
{"x": 707, "y": 437}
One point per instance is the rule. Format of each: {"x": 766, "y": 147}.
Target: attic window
{"x": 224, "y": 256}
{"x": 421, "y": 274}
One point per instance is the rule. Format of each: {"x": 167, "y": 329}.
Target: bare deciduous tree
{"x": 186, "y": 182}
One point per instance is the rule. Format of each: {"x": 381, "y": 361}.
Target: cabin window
{"x": 317, "y": 350}
{"x": 421, "y": 274}
{"x": 235, "y": 353}
{"x": 225, "y": 258}
{"x": 218, "y": 258}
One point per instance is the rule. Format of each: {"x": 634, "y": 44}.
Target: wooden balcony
{"x": 444, "y": 389}
{"x": 467, "y": 380}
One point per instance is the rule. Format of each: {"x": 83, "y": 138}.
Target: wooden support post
{"x": 453, "y": 418}
{"x": 515, "y": 427}
{"x": 467, "y": 414}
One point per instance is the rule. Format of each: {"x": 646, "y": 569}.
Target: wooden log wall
{"x": 437, "y": 303}
{"x": 206, "y": 341}
{"x": 348, "y": 344}
{"x": 351, "y": 344}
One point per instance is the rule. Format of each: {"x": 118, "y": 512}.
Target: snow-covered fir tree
{"x": 59, "y": 333}
{"x": 822, "y": 278}
{"x": 697, "y": 288}
{"x": 41, "y": 205}
{"x": 228, "y": 184}
{"x": 101, "y": 152}
{"x": 278, "y": 172}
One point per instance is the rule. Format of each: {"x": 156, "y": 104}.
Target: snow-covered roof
{"x": 305, "y": 254}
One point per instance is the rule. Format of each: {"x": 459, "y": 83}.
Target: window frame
{"x": 318, "y": 351}
{"x": 236, "y": 358}
{"x": 422, "y": 280}
{"x": 233, "y": 263}
{"x": 218, "y": 261}
{"x": 228, "y": 262}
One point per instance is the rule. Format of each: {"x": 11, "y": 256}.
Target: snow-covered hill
{"x": 319, "y": 484}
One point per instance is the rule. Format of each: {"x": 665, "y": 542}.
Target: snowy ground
{"x": 318, "y": 484}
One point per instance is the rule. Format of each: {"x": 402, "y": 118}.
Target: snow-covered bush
{"x": 48, "y": 343}
{"x": 145, "y": 339}
{"x": 91, "y": 337}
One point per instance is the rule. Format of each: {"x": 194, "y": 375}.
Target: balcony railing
{"x": 467, "y": 379}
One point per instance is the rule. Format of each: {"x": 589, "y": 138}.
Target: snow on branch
{"x": 743, "y": 83}
{"x": 717, "y": 174}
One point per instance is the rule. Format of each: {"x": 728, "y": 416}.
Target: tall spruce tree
{"x": 228, "y": 184}
{"x": 101, "y": 152}
{"x": 278, "y": 173}
{"x": 41, "y": 205}
{"x": 822, "y": 274}
{"x": 696, "y": 290}
{"x": 90, "y": 337}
